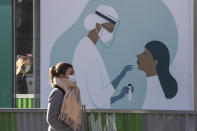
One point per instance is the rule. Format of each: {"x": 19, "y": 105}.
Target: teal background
{"x": 6, "y": 53}
{"x": 5, "y": 2}
{"x": 140, "y": 22}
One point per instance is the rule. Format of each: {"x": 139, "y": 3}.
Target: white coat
{"x": 154, "y": 98}
{"x": 91, "y": 76}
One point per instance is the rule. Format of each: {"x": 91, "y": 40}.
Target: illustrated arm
{"x": 117, "y": 80}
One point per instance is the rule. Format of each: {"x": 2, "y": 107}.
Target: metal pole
{"x": 13, "y": 55}
{"x": 36, "y": 51}
{"x": 83, "y": 124}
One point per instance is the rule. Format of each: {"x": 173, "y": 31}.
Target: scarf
{"x": 70, "y": 112}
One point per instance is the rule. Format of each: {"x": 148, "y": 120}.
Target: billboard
{"x": 131, "y": 54}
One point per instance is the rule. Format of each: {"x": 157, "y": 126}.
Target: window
{"x": 27, "y": 53}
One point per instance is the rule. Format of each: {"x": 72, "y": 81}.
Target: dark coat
{"x": 21, "y": 84}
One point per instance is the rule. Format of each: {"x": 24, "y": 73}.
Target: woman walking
{"x": 64, "y": 102}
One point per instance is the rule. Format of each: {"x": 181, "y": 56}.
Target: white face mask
{"x": 72, "y": 78}
{"x": 106, "y": 36}
{"x": 27, "y": 68}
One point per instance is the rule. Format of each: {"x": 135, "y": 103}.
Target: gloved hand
{"x": 124, "y": 91}
{"x": 125, "y": 70}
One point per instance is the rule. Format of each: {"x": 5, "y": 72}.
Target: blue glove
{"x": 125, "y": 70}
{"x": 124, "y": 91}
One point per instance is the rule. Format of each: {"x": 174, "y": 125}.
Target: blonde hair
{"x": 20, "y": 63}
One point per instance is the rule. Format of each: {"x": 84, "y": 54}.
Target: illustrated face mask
{"x": 106, "y": 36}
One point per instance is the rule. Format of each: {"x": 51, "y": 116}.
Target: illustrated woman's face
{"x": 146, "y": 62}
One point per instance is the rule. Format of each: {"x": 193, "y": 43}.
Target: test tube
{"x": 129, "y": 93}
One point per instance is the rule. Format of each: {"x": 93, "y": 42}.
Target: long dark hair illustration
{"x": 160, "y": 53}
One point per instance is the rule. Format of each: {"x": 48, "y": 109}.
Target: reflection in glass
{"x": 27, "y": 44}
{"x": 23, "y": 67}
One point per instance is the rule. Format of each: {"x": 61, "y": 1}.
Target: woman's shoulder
{"x": 56, "y": 93}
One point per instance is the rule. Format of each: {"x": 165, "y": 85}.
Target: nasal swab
{"x": 134, "y": 63}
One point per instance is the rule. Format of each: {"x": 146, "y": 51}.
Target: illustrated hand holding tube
{"x": 128, "y": 89}
{"x": 124, "y": 91}
{"x": 117, "y": 80}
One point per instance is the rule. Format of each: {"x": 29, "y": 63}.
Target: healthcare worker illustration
{"x": 161, "y": 85}
{"x": 91, "y": 74}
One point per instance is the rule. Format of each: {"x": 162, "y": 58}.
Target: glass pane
{"x": 27, "y": 58}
